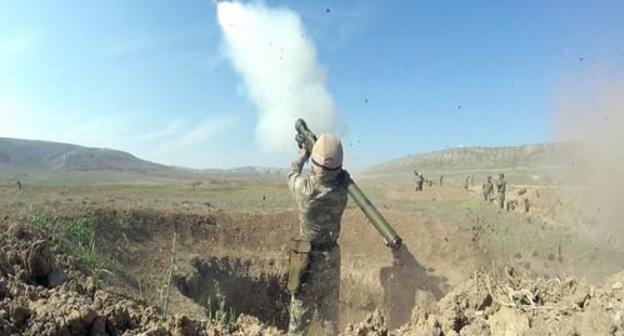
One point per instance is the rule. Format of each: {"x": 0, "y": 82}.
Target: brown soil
{"x": 34, "y": 300}
{"x": 510, "y": 303}
{"x": 429, "y": 287}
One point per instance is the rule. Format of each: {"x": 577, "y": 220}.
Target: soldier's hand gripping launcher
{"x": 306, "y": 139}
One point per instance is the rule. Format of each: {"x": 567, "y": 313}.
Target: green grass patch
{"x": 75, "y": 235}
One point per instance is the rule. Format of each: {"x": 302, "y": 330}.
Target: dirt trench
{"x": 228, "y": 286}
{"x": 239, "y": 260}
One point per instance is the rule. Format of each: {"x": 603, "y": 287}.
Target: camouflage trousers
{"x": 501, "y": 200}
{"x": 319, "y": 292}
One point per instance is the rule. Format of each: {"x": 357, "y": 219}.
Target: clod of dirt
{"x": 19, "y": 314}
{"x": 249, "y": 325}
{"x": 4, "y": 291}
{"x": 479, "y": 327}
{"x": 19, "y": 231}
{"x": 41, "y": 266}
{"x": 5, "y": 266}
{"x": 421, "y": 325}
{"x": 373, "y": 325}
{"x": 508, "y": 321}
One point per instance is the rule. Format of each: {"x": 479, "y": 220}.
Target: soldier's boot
{"x": 330, "y": 328}
{"x": 300, "y": 316}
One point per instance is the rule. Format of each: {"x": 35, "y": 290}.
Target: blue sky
{"x": 150, "y": 77}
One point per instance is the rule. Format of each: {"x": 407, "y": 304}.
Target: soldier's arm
{"x": 294, "y": 176}
{"x": 298, "y": 184}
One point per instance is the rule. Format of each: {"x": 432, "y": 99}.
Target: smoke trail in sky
{"x": 269, "y": 48}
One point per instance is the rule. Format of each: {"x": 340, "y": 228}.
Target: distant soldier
{"x": 429, "y": 183}
{"x": 19, "y": 185}
{"x": 525, "y": 199}
{"x": 487, "y": 189}
{"x": 466, "y": 182}
{"x": 501, "y": 188}
{"x": 441, "y": 179}
{"x": 420, "y": 180}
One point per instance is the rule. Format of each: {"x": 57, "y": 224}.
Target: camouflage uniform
{"x": 420, "y": 181}
{"x": 501, "y": 187}
{"x": 322, "y": 200}
{"x": 441, "y": 179}
{"x": 488, "y": 189}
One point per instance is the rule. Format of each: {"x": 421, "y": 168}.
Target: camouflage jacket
{"x": 501, "y": 186}
{"x": 321, "y": 203}
{"x": 488, "y": 188}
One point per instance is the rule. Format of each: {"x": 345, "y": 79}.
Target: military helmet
{"x": 327, "y": 152}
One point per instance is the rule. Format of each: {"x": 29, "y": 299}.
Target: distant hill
{"x": 60, "y": 156}
{"x": 53, "y": 162}
{"x": 249, "y": 171}
{"x": 528, "y": 163}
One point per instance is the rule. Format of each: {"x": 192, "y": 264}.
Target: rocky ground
{"x": 44, "y": 292}
{"x": 46, "y": 289}
{"x": 511, "y": 303}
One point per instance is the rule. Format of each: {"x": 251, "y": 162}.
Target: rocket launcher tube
{"x": 306, "y": 138}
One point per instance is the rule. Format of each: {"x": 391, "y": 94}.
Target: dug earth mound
{"x": 43, "y": 291}
{"x": 98, "y": 261}
{"x": 512, "y": 303}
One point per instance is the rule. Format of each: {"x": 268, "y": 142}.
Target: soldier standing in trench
{"x": 501, "y": 188}
{"x": 488, "y": 189}
{"x": 314, "y": 272}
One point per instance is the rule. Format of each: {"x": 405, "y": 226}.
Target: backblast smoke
{"x": 277, "y": 62}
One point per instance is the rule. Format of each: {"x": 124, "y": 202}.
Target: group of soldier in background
{"x": 491, "y": 190}
{"x": 500, "y": 186}
{"x": 421, "y": 181}
{"x": 501, "y": 189}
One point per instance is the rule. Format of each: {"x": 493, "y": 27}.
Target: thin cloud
{"x": 188, "y": 146}
{"x": 206, "y": 129}
{"x": 171, "y": 129}
{"x": 179, "y": 143}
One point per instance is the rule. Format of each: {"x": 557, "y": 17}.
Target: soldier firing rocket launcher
{"x": 305, "y": 138}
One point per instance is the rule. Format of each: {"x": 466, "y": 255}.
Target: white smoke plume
{"x": 269, "y": 48}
